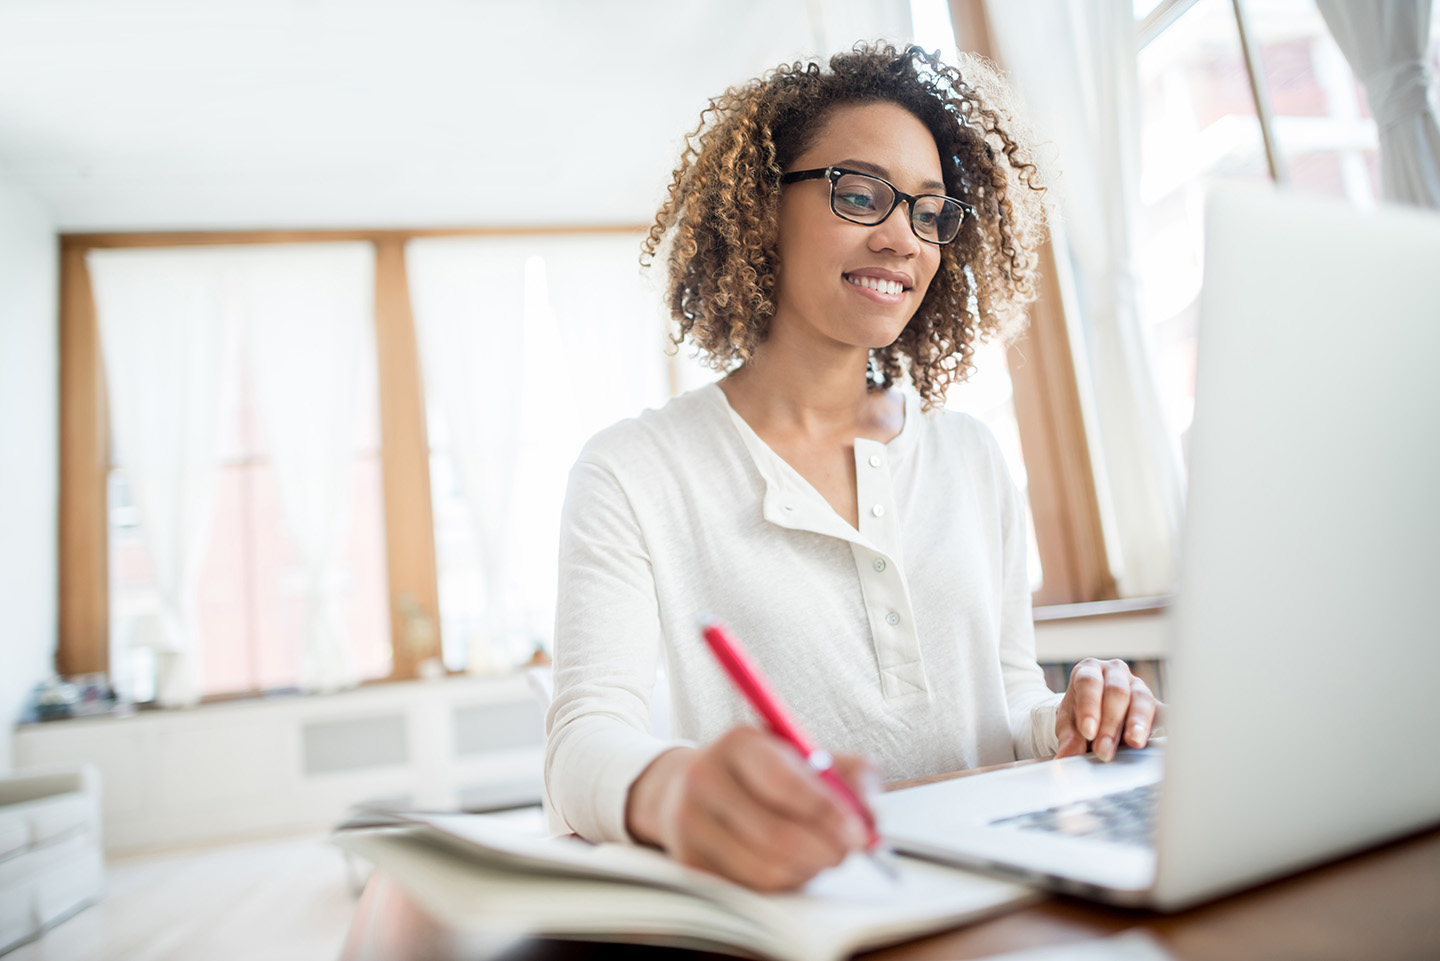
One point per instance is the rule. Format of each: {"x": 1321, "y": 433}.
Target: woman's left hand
{"x": 1104, "y": 704}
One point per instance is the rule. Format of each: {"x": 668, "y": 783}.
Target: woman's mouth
{"x": 888, "y": 290}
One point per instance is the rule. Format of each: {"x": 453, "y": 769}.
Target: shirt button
{"x": 878, "y": 510}
{"x": 875, "y": 460}
{"x": 892, "y": 618}
{"x": 879, "y": 563}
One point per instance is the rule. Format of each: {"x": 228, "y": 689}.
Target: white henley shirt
{"x": 909, "y": 640}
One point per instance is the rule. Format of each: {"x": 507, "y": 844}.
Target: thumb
{"x": 1071, "y": 743}
{"x": 861, "y": 774}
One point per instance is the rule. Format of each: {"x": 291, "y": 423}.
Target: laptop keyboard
{"x": 1125, "y": 817}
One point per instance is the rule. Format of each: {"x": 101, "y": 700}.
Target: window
{"x": 247, "y": 551}
{"x": 1201, "y": 124}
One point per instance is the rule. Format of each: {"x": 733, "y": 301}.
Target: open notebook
{"x": 483, "y": 878}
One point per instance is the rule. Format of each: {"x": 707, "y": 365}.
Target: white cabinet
{"x": 273, "y": 765}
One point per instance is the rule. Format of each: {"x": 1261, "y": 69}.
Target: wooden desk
{"x": 1383, "y": 905}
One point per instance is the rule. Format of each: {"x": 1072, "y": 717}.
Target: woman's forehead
{"x": 881, "y": 138}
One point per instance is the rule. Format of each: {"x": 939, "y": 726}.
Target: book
{"x": 482, "y": 877}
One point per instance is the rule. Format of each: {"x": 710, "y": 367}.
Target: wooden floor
{"x": 283, "y": 899}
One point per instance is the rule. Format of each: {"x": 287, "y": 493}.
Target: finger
{"x": 1141, "y": 719}
{"x": 1087, "y": 684}
{"x": 1071, "y": 744}
{"x": 720, "y": 825}
{"x": 712, "y": 843}
{"x": 865, "y": 783}
{"x": 863, "y": 777}
{"x": 1115, "y": 706}
{"x": 781, "y": 780}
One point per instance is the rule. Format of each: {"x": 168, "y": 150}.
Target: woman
{"x": 830, "y": 234}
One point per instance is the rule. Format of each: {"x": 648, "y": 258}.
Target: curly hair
{"x": 719, "y": 223}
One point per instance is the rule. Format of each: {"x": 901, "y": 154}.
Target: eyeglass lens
{"x": 868, "y": 200}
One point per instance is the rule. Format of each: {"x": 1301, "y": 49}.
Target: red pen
{"x": 748, "y": 679}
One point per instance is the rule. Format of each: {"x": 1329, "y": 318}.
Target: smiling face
{"x": 845, "y": 283}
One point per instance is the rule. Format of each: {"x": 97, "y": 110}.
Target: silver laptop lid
{"x": 1305, "y": 647}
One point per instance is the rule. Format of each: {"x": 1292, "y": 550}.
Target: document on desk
{"x": 482, "y": 877}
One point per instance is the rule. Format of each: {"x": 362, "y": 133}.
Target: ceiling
{"x": 208, "y": 114}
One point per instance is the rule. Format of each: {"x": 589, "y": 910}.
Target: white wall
{"x": 29, "y": 445}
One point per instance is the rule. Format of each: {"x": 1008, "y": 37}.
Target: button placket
{"x": 886, "y": 596}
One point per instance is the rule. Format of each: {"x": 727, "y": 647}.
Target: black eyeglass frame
{"x": 833, "y": 175}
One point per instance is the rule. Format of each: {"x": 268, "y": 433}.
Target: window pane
{"x": 271, "y": 586}
{"x": 134, "y": 601}
{"x": 1198, "y": 126}
{"x": 1327, "y": 138}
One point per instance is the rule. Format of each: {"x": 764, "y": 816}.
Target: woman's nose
{"x": 895, "y": 233}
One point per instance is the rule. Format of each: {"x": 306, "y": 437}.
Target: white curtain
{"x": 1074, "y": 64}
{"x": 162, "y": 318}
{"x": 529, "y": 346}
{"x": 1385, "y": 42}
{"x": 611, "y": 325}
{"x": 468, "y": 296}
{"x": 309, "y": 328}
{"x": 166, "y": 318}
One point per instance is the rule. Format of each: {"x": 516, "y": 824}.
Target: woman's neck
{"x": 811, "y": 395}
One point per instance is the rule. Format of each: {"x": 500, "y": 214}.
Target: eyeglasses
{"x": 866, "y": 199}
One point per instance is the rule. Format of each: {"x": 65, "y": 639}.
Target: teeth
{"x": 883, "y": 286}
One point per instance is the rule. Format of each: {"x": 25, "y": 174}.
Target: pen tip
{"x": 882, "y": 858}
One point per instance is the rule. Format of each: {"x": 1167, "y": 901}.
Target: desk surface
{"x": 1382, "y": 905}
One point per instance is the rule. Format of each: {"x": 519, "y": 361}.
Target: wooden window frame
{"x": 1064, "y": 501}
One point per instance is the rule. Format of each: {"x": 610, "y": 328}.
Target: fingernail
{"x": 1137, "y": 734}
{"x": 1088, "y": 728}
{"x": 855, "y": 834}
{"x": 1105, "y": 748}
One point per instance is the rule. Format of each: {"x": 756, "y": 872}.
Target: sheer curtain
{"x": 1073, "y": 62}
{"x": 1385, "y": 42}
{"x": 166, "y": 317}
{"x": 163, "y": 316}
{"x": 468, "y": 296}
{"x": 309, "y": 319}
{"x": 529, "y": 346}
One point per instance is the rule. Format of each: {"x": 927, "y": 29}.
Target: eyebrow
{"x": 865, "y": 166}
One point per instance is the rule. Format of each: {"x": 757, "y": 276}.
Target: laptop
{"x": 1304, "y": 644}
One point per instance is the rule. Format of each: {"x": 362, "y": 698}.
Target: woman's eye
{"x": 928, "y": 212}
{"x": 856, "y": 199}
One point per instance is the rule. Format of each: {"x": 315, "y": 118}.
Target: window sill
{"x": 477, "y": 687}
{"x": 1134, "y": 629}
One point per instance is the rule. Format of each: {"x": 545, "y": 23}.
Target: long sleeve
{"x": 1030, "y": 702}
{"x": 606, "y": 647}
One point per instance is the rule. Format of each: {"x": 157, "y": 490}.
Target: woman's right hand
{"x": 749, "y": 808}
